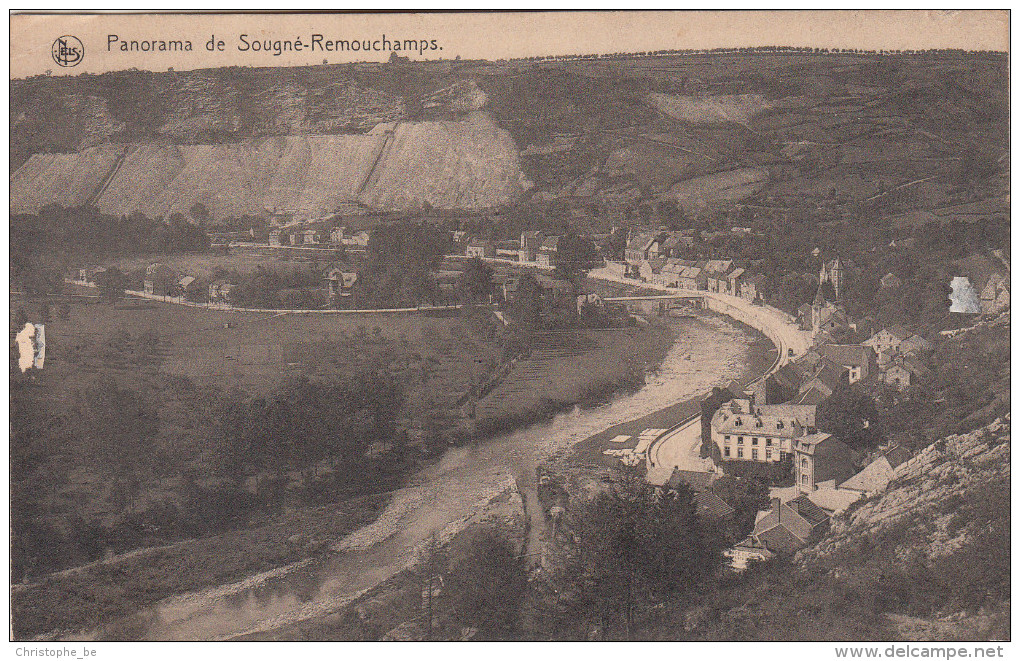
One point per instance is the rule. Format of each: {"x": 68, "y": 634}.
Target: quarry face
{"x": 467, "y": 163}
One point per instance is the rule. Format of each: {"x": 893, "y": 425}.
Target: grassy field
{"x": 203, "y": 265}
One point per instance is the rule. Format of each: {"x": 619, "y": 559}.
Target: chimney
{"x": 777, "y": 507}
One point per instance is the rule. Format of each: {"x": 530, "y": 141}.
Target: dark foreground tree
{"x": 486, "y": 585}
{"x": 637, "y": 546}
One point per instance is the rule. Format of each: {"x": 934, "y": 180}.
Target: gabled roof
{"x": 808, "y": 510}
{"x": 812, "y": 395}
{"x": 696, "y": 480}
{"x": 875, "y": 477}
{"x": 655, "y": 263}
{"x": 736, "y": 273}
{"x": 833, "y": 500}
{"x": 550, "y": 243}
{"x": 829, "y": 373}
{"x": 916, "y": 343}
{"x": 779, "y": 539}
{"x": 847, "y": 354}
{"x": 479, "y": 243}
{"x": 532, "y": 234}
{"x": 789, "y": 376}
{"x": 711, "y": 505}
{"x": 899, "y": 332}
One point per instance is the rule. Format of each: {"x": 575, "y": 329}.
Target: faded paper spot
{"x": 965, "y": 299}
{"x": 26, "y": 347}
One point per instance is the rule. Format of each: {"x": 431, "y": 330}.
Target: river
{"x": 709, "y": 351}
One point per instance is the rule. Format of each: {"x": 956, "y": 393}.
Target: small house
{"x": 219, "y": 291}
{"x": 787, "y": 527}
{"x": 887, "y": 339}
{"x": 547, "y": 251}
{"x": 275, "y": 236}
{"x": 860, "y": 361}
{"x": 482, "y": 248}
{"x": 160, "y": 280}
{"x": 340, "y": 282}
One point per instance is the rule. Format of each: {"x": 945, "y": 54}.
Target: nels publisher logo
{"x": 68, "y": 51}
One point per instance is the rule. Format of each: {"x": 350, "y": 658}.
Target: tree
{"x": 850, "y": 415}
{"x": 199, "y": 212}
{"x": 117, "y": 426}
{"x": 637, "y": 544}
{"x": 486, "y": 586}
{"x": 476, "y": 281}
{"x": 112, "y": 284}
{"x": 526, "y": 306}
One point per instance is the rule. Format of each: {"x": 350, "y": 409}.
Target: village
{"x": 770, "y": 422}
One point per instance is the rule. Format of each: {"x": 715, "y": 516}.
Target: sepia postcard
{"x": 510, "y": 326}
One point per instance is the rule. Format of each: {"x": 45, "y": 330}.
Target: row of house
{"x": 644, "y": 246}
{"x": 337, "y": 236}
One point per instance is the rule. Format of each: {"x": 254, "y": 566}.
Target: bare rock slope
{"x": 447, "y": 164}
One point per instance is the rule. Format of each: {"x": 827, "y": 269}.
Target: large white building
{"x": 743, "y": 431}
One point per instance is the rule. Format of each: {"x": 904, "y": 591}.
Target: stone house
{"x": 787, "y": 527}
{"x": 340, "y": 283}
{"x": 742, "y": 431}
{"x": 818, "y": 458}
{"x": 640, "y": 247}
{"x": 859, "y": 361}
{"x": 916, "y": 344}
{"x": 480, "y": 248}
{"x": 547, "y": 251}
{"x": 275, "y": 236}
{"x": 219, "y": 291}
{"x": 752, "y": 288}
{"x": 694, "y": 278}
{"x": 887, "y": 339}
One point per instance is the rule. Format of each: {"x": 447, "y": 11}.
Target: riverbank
{"x": 760, "y": 354}
{"x": 90, "y": 598}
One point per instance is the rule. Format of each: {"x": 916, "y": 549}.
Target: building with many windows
{"x": 744, "y": 431}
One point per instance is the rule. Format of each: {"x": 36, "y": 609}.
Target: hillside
{"x": 465, "y": 164}
{"x": 854, "y": 132}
